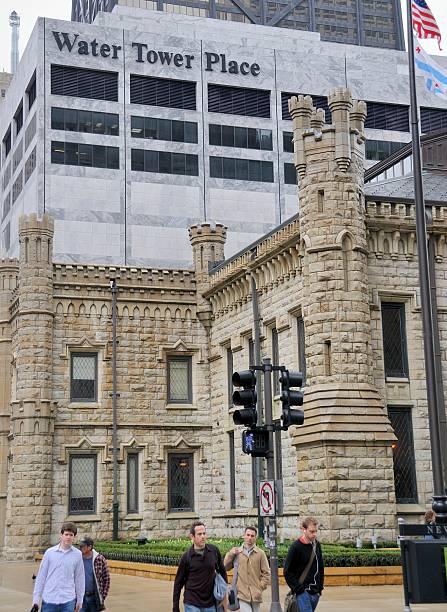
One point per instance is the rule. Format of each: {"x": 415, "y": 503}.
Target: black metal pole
{"x": 404, "y": 556}
{"x": 268, "y": 412}
{"x": 440, "y": 398}
{"x": 424, "y": 280}
{"x": 260, "y": 406}
{"x": 115, "y": 505}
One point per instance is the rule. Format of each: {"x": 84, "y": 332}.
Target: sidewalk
{"x": 131, "y": 594}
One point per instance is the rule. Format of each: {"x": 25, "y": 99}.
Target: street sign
{"x": 267, "y": 497}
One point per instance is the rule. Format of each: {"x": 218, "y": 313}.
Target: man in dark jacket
{"x": 196, "y": 572}
{"x": 305, "y": 579}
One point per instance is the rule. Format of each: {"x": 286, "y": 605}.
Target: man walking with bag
{"x": 251, "y": 573}
{"x": 198, "y": 571}
{"x": 304, "y": 568}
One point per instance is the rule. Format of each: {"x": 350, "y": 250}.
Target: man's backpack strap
{"x": 306, "y": 570}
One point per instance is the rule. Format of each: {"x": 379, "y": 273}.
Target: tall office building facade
{"x": 372, "y": 23}
{"x": 129, "y": 130}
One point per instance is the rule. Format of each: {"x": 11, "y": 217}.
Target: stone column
{"x": 345, "y": 465}
{"x": 8, "y": 283}
{"x": 28, "y": 520}
{"x": 207, "y": 243}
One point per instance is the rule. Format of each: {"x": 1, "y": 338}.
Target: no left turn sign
{"x": 267, "y": 497}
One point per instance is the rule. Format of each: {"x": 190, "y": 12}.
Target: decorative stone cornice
{"x": 83, "y": 445}
{"x": 180, "y": 444}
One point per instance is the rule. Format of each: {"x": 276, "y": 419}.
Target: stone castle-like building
{"x": 338, "y": 294}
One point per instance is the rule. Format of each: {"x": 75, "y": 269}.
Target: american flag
{"x": 424, "y": 23}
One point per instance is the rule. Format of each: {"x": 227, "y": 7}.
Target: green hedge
{"x": 168, "y": 552}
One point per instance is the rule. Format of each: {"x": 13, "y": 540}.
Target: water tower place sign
{"x": 72, "y": 43}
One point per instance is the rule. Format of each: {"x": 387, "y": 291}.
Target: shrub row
{"x": 168, "y": 552}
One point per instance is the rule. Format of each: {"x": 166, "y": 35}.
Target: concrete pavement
{"x": 132, "y": 594}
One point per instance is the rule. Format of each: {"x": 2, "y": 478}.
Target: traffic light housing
{"x": 245, "y": 396}
{"x": 255, "y": 442}
{"x": 291, "y": 397}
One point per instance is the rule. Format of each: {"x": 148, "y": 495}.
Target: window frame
{"x": 185, "y": 359}
{"x": 412, "y": 467}
{"x": 134, "y": 456}
{"x": 275, "y": 360}
{"x": 230, "y": 369}
{"x": 94, "y": 354}
{"x": 71, "y": 457}
{"x": 232, "y": 465}
{"x": 301, "y": 342}
{"x": 170, "y": 457}
{"x": 405, "y": 372}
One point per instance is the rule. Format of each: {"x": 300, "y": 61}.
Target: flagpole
{"x": 439, "y": 505}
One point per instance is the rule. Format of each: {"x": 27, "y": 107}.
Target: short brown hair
{"x": 430, "y": 517}
{"x": 192, "y": 530}
{"x": 251, "y": 528}
{"x": 69, "y": 526}
{"x": 309, "y": 520}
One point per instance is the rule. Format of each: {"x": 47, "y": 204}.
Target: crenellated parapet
{"x": 274, "y": 260}
{"x": 207, "y": 242}
{"x": 341, "y": 140}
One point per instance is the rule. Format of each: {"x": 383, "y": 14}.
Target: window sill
{"x": 182, "y": 515}
{"x": 83, "y": 405}
{"x": 133, "y": 517}
{"x": 397, "y": 379}
{"x": 181, "y": 407}
{"x": 83, "y": 518}
{"x": 410, "y": 509}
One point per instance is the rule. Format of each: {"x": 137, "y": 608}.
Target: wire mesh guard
{"x": 82, "y": 484}
{"x": 83, "y": 377}
{"x": 180, "y": 483}
{"x": 179, "y": 380}
{"x": 403, "y": 456}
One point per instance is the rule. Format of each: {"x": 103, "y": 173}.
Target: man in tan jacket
{"x": 253, "y": 574}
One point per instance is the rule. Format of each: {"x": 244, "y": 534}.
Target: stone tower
{"x": 8, "y": 283}
{"x": 28, "y": 519}
{"x": 345, "y": 465}
{"x": 207, "y": 243}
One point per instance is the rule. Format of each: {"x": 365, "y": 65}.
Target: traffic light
{"x": 255, "y": 442}
{"x": 291, "y": 397}
{"x": 245, "y": 396}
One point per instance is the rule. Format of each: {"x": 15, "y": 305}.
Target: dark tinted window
{"x": 170, "y": 93}
{"x": 403, "y": 455}
{"x": 394, "y": 340}
{"x": 290, "y": 176}
{"x": 78, "y": 154}
{"x": 238, "y": 101}
{"x": 163, "y": 129}
{"x": 433, "y": 119}
{"x": 72, "y": 120}
{"x": 165, "y": 162}
{"x": 243, "y": 170}
{"x": 84, "y": 83}
{"x": 247, "y": 138}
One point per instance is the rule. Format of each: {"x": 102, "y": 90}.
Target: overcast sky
{"x": 29, "y": 10}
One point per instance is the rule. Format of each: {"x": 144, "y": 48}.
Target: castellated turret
{"x": 32, "y": 409}
{"x": 345, "y": 416}
{"x": 208, "y": 242}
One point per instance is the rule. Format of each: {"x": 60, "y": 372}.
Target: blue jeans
{"x": 307, "y": 602}
{"x": 191, "y": 608}
{"x": 68, "y": 606}
{"x": 89, "y": 604}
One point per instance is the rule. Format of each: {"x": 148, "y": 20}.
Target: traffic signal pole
{"x": 271, "y": 528}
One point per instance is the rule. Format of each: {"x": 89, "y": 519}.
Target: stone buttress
{"x": 345, "y": 465}
{"x": 8, "y": 283}
{"x": 28, "y": 515}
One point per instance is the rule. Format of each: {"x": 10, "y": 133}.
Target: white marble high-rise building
{"x": 132, "y": 129}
